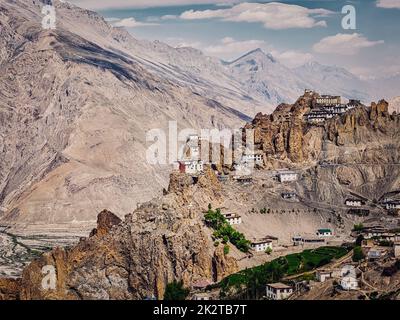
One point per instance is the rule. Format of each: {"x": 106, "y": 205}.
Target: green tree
{"x": 226, "y": 249}
{"x": 175, "y": 291}
{"x": 358, "y": 227}
{"x": 358, "y": 254}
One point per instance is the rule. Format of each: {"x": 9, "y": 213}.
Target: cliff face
{"x": 162, "y": 241}
{"x": 357, "y": 151}
{"x": 284, "y": 135}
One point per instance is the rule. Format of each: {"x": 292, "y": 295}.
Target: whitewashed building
{"x": 324, "y": 233}
{"x": 323, "y": 275}
{"x": 253, "y": 157}
{"x": 233, "y": 218}
{"x": 278, "y": 291}
{"x": 262, "y": 245}
{"x": 287, "y": 176}
{"x": 355, "y": 203}
{"x": 392, "y": 205}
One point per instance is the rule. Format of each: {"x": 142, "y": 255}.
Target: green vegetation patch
{"x": 253, "y": 281}
{"x": 224, "y": 231}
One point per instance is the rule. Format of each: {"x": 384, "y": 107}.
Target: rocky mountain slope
{"x": 74, "y": 112}
{"x": 356, "y": 152}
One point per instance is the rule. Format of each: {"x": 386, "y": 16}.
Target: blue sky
{"x": 293, "y": 31}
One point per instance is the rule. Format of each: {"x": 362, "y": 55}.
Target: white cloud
{"x": 293, "y": 58}
{"x": 132, "y": 23}
{"x": 272, "y": 15}
{"x": 229, "y": 48}
{"x": 169, "y": 17}
{"x": 344, "y": 44}
{"x": 388, "y": 4}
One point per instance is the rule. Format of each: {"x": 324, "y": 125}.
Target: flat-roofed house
{"x": 354, "y": 203}
{"x": 278, "y": 291}
{"x": 289, "y": 196}
{"x": 395, "y": 204}
{"x": 262, "y": 245}
{"x": 324, "y": 233}
{"x": 233, "y": 218}
{"x": 253, "y": 157}
{"x": 307, "y": 240}
{"x": 374, "y": 254}
{"x": 287, "y": 176}
{"x": 323, "y": 275}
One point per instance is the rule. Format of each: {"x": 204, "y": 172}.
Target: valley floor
{"x": 18, "y": 250}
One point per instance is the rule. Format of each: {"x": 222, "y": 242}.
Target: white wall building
{"x": 353, "y": 203}
{"x": 233, "y": 218}
{"x": 262, "y": 245}
{"x": 323, "y": 275}
{"x": 252, "y": 157}
{"x": 288, "y": 176}
{"x": 278, "y": 291}
{"x": 392, "y": 205}
{"x": 324, "y": 233}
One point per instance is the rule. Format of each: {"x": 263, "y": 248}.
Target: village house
{"x": 233, "y": 218}
{"x": 354, "y": 203}
{"x": 373, "y": 232}
{"x": 374, "y": 254}
{"x": 278, "y": 291}
{"x": 287, "y": 176}
{"x": 244, "y": 179}
{"x": 262, "y": 245}
{"x": 307, "y": 240}
{"x": 253, "y": 157}
{"x": 290, "y": 196}
{"x": 395, "y": 204}
{"x": 324, "y": 233}
{"x": 323, "y": 275}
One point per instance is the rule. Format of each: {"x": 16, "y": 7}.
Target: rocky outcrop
{"x": 106, "y": 220}
{"x": 286, "y": 136}
{"x": 162, "y": 241}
